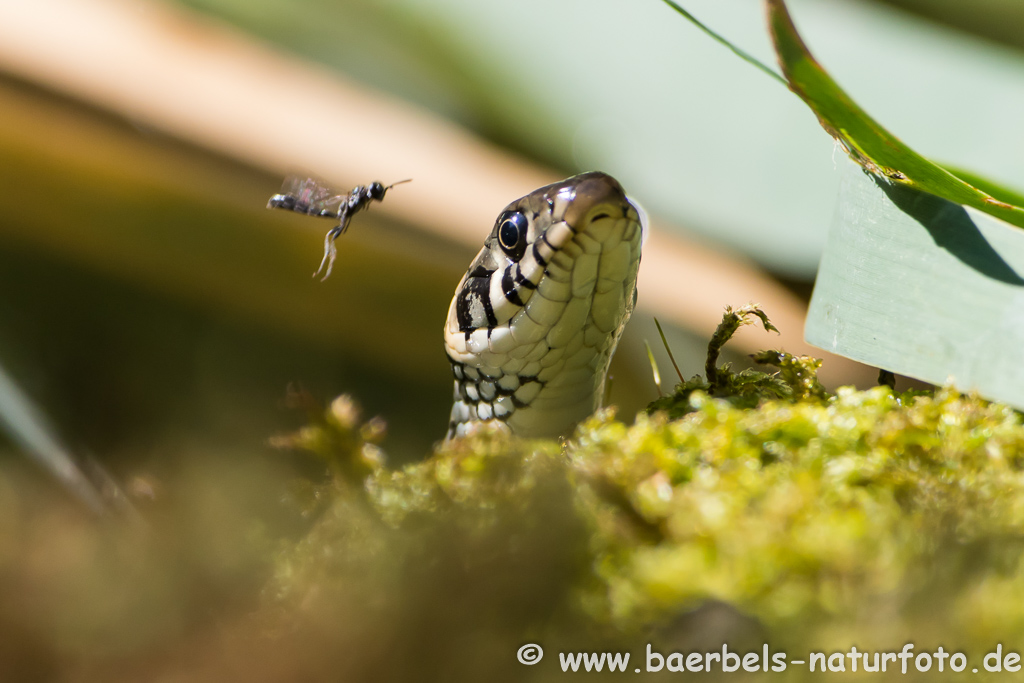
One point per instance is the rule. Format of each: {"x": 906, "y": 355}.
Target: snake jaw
{"x": 536, "y": 318}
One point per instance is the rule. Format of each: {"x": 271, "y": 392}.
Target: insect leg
{"x": 331, "y": 251}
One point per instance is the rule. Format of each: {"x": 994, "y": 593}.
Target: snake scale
{"x": 536, "y": 318}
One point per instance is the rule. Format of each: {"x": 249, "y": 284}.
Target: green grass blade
{"x": 1005, "y": 194}
{"x": 745, "y": 56}
{"x": 867, "y": 142}
{"x": 668, "y": 350}
{"x": 654, "y": 368}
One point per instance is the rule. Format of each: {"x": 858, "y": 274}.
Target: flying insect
{"x": 311, "y": 197}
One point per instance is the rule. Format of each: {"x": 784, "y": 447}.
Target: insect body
{"x": 311, "y": 197}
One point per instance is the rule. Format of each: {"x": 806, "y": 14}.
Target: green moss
{"x": 797, "y": 509}
{"x": 797, "y": 378}
{"x": 864, "y": 516}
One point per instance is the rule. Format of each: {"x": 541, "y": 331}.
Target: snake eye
{"x": 512, "y": 234}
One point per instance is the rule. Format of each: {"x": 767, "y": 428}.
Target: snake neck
{"x": 535, "y": 320}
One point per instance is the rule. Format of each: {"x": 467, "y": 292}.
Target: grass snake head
{"x": 536, "y": 318}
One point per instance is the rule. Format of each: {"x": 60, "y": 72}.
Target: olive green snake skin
{"x": 534, "y": 322}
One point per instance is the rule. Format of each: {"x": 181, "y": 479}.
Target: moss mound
{"x": 747, "y": 507}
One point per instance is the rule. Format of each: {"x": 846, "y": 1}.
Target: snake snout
{"x": 596, "y": 193}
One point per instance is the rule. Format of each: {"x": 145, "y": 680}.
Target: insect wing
{"x": 330, "y": 205}
{"x": 307, "y": 195}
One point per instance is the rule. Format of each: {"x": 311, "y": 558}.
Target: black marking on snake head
{"x": 473, "y": 307}
{"x": 509, "y": 288}
{"x": 523, "y": 282}
{"x": 540, "y": 259}
{"x": 480, "y": 271}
